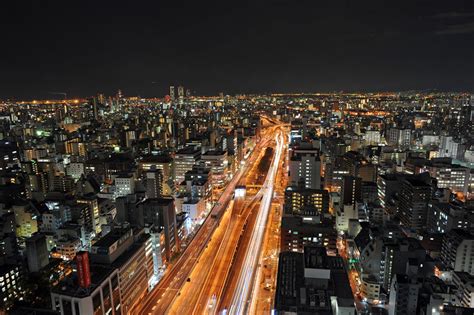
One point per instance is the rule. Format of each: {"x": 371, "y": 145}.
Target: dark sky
{"x": 85, "y": 47}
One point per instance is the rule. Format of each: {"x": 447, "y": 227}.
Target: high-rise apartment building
{"x": 37, "y": 252}
{"x": 446, "y": 216}
{"x": 184, "y": 161}
{"x": 172, "y": 93}
{"x": 457, "y": 252}
{"x": 399, "y": 137}
{"x": 306, "y": 201}
{"x": 92, "y": 219}
{"x": 403, "y": 295}
{"x": 217, "y": 162}
{"x": 351, "y": 190}
{"x": 124, "y": 185}
{"x": 413, "y": 204}
{"x": 305, "y": 166}
{"x": 154, "y": 184}
{"x": 121, "y": 268}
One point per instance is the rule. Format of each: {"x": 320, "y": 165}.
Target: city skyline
{"x": 237, "y": 158}
{"x": 242, "y": 204}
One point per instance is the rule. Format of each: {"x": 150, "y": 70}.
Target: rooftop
{"x": 189, "y": 150}
{"x": 156, "y": 159}
{"x": 214, "y": 153}
{"x": 70, "y": 286}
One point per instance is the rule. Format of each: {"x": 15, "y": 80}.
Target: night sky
{"x": 142, "y": 47}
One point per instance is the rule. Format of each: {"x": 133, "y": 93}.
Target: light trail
{"x": 246, "y": 279}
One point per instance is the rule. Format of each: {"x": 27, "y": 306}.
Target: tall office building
{"x": 180, "y": 94}
{"x": 305, "y": 166}
{"x": 351, "y": 190}
{"x": 124, "y": 185}
{"x": 217, "y": 162}
{"x": 305, "y": 201}
{"x": 37, "y": 252}
{"x": 357, "y": 165}
{"x": 399, "y": 137}
{"x": 121, "y": 268}
{"x": 95, "y": 109}
{"x": 457, "y": 251}
{"x": 172, "y": 95}
{"x": 403, "y": 295}
{"x": 90, "y": 200}
{"x": 130, "y": 137}
{"x": 154, "y": 184}
{"x": 299, "y": 231}
{"x": 446, "y": 216}
{"x": 449, "y": 175}
{"x": 164, "y": 164}
{"x": 160, "y": 214}
{"x": 413, "y": 204}
{"x": 184, "y": 161}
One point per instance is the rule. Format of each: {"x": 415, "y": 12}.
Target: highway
{"x": 245, "y": 284}
{"x": 163, "y": 296}
{"x": 263, "y": 297}
{"x": 210, "y": 274}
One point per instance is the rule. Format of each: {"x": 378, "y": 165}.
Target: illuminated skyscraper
{"x": 172, "y": 92}
{"x": 181, "y": 94}
{"x": 305, "y": 165}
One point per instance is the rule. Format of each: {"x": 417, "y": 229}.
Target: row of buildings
{"x": 386, "y": 186}
{"x": 98, "y": 195}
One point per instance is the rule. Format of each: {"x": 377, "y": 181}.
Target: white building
{"x": 403, "y": 295}
{"x": 452, "y": 176}
{"x": 449, "y": 148}
{"x": 457, "y": 251}
{"x": 346, "y": 213}
{"x": 464, "y": 284}
{"x": 372, "y": 137}
{"x": 184, "y": 161}
{"x": 305, "y": 165}
{"x": 124, "y": 185}
{"x": 68, "y": 248}
{"x": 90, "y": 301}
{"x": 217, "y": 162}
{"x": 429, "y": 140}
{"x": 75, "y": 170}
{"x": 399, "y": 137}
{"x": 195, "y": 208}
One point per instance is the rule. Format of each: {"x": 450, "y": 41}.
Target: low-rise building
{"x": 312, "y": 283}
